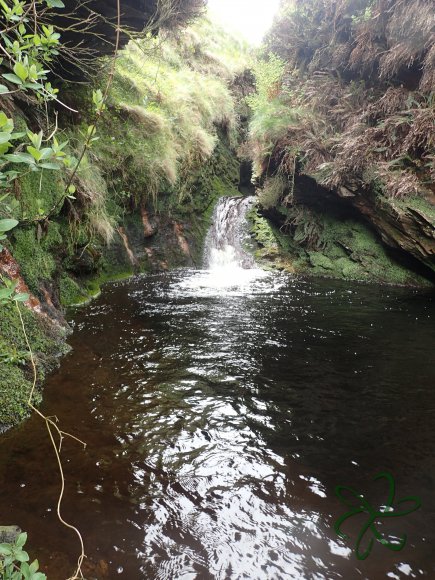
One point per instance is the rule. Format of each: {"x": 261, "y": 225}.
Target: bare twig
{"x": 51, "y": 424}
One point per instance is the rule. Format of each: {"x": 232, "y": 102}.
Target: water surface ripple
{"x": 219, "y": 420}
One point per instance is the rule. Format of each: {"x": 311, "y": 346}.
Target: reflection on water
{"x": 219, "y": 419}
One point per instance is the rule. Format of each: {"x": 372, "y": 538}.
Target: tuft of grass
{"x": 272, "y": 191}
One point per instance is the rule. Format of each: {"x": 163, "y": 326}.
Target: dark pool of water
{"x": 218, "y": 424}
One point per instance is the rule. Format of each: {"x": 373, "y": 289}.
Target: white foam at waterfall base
{"x": 230, "y": 269}
{"x": 228, "y": 279}
{"x": 225, "y": 270}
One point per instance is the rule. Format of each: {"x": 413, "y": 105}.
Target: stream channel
{"x": 221, "y": 408}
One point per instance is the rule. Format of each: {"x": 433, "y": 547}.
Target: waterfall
{"x": 228, "y": 267}
{"x": 224, "y": 246}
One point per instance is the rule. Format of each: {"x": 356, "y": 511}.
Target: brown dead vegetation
{"x": 365, "y": 73}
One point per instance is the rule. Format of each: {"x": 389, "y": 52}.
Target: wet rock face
{"x": 245, "y": 184}
{"x": 405, "y": 228}
{"x": 49, "y": 308}
{"x": 149, "y": 225}
{"x": 102, "y": 17}
{"x": 10, "y": 268}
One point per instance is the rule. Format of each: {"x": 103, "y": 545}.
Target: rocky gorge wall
{"x": 342, "y": 139}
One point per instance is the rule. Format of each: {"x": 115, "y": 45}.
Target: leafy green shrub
{"x": 273, "y": 110}
{"x": 14, "y": 562}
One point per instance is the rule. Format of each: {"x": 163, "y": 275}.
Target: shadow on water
{"x": 219, "y": 419}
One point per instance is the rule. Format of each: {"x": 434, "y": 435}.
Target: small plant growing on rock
{"x": 14, "y": 562}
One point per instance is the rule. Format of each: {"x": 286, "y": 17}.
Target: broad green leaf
{"x": 35, "y": 138}
{"x": 46, "y": 153}
{"x": 4, "y": 148}
{"x": 7, "y": 224}
{"x": 39, "y": 140}
{"x": 4, "y": 137}
{"x": 21, "y": 540}
{"x": 55, "y": 3}
{"x": 3, "y": 89}
{"x": 5, "y": 549}
{"x": 25, "y": 571}
{"x": 22, "y": 297}
{"x": 21, "y": 71}
{"x": 5, "y": 293}
{"x": 20, "y": 158}
{"x": 34, "y": 566}
{"x": 48, "y": 165}
{"x": 34, "y": 86}
{"x": 7, "y": 125}
{"x": 3, "y": 119}
{"x": 22, "y": 556}
{"x": 58, "y": 146}
{"x": 34, "y": 153}
{"x": 17, "y": 135}
{"x": 12, "y": 78}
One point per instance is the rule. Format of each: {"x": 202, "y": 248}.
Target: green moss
{"x": 53, "y": 236}
{"x": 47, "y": 341}
{"x": 36, "y": 262}
{"x": 44, "y": 336}
{"x": 14, "y": 392}
{"x": 319, "y": 261}
{"x": 345, "y": 249}
{"x": 70, "y": 292}
{"x": 91, "y": 288}
{"x": 417, "y": 203}
{"x": 262, "y": 230}
{"x": 39, "y": 192}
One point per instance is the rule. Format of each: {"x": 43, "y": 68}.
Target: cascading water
{"x": 227, "y": 263}
{"x": 229, "y": 267}
{"x": 228, "y": 234}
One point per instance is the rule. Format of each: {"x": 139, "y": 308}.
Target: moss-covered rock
{"x": 39, "y": 192}
{"x": 14, "y": 393}
{"x": 36, "y": 257}
{"x": 47, "y": 340}
{"x": 342, "y": 248}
